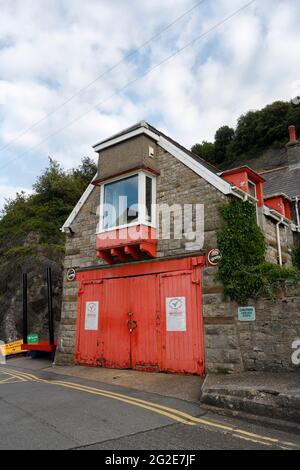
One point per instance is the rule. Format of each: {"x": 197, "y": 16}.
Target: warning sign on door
{"x": 176, "y": 314}
{"x": 91, "y": 316}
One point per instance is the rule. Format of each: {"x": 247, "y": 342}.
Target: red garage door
{"x": 145, "y": 322}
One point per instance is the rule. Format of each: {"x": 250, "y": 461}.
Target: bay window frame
{"x": 142, "y": 214}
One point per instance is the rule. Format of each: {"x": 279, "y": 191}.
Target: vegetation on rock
{"x": 256, "y": 131}
{"x": 36, "y": 219}
{"x": 296, "y": 257}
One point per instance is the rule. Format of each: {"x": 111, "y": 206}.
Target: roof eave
{"x": 246, "y": 168}
{"x": 133, "y": 131}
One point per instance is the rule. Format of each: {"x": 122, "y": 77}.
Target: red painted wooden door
{"x": 146, "y": 323}
{"x": 128, "y": 330}
{"x": 182, "y": 338}
{"x": 114, "y": 338}
{"x": 87, "y": 340}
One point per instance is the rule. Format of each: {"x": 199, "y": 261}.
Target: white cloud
{"x": 45, "y": 58}
{"x": 9, "y": 192}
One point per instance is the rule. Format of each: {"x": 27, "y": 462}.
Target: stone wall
{"x": 221, "y": 340}
{"x": 178, "y": 185}
{"x": 135, "y": 154}
{"x": 287, "y": 242}
{"x": 265, "y": 344}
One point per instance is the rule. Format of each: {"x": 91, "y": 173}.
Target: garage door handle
{"x": 132, "y": 325}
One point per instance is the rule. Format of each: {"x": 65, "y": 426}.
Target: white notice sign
{"x": 91, "y": 316}
{"x": 176, "y": 314}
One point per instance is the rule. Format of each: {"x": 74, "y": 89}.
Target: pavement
{"x": 41, "y": 408}
{"x": 273, "y": 396}
{"x": 183, "y": 387}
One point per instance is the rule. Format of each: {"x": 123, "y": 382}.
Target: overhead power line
{"x": 144, "y": 74}
{"x": 102, "y": 75}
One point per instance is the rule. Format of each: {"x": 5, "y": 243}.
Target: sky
{"x": 74, "y": 72}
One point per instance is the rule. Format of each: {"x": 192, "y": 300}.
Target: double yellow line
{"x": 9, "y": 379}
{"x": 175, "y": 415}
{"x": 171, "y": 413}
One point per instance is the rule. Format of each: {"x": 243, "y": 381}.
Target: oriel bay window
{"x": 128, "y": 201}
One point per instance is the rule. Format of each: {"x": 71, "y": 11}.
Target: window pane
{"x": 252, "y": 189}
{"x": 149, "y": 199}
{"x": 121, "y": 202}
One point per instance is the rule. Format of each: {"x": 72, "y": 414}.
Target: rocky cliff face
{"x": 35, "y": 264}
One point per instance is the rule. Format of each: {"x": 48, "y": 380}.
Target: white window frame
{"x": 142, "y": 218}
{"x": 251, "y": 183}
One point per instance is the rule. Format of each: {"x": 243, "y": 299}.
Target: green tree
{"x": 296, "y": 257}
{"x": 245, "y": 134}
{"x": 206, "y": 151}
{"x": 86, "y": 171}
{"x": 256, "y": 131}
{"x": 223, "y": 139}
{"x": 56, "y": 192}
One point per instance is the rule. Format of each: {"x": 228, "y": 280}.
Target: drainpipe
{"x": 279, "y": 241}
{"x": 297, "y": 212}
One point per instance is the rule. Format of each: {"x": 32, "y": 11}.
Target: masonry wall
{"x": 287, "y": 242}
{"x": 265, "y": 344}
{"x": 178, "y": 185}
{"x": 135, "y": 153}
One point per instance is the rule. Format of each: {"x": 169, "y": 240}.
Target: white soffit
{"x": 77, "y": 208}
{"x": 122, "y": 138}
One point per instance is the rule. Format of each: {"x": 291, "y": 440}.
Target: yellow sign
{"x": 11, "y": 348}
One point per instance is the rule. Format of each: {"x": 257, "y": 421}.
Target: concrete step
{"x": 258, "y": 401}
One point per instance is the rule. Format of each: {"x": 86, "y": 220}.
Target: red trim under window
{"x": 126, "y": 244}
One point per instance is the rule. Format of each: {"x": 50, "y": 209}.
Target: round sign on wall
{"x": 214, "y": 257}
{"x": 71, "y": 275}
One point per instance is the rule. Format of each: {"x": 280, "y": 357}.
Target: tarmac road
{"x": 41, "y": 410}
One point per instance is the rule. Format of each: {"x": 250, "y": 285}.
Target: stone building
{"x": 142, "y": 242}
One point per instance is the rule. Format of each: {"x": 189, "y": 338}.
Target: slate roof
{"x": 282, "y": 180}
{"x": 273, "y": 166}
{"x": 269, "y": 159}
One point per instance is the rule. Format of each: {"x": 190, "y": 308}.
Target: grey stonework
{"x": 177, "y": 184}
{"x": 287, "y": 242}
{"x": 135, "y": 153}
{"x": 221, "y": 341}
{"x": 227, "y": 345}
{"x": 234, "y": 346}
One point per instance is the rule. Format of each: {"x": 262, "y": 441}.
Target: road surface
{"x": 44, "y": 410}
